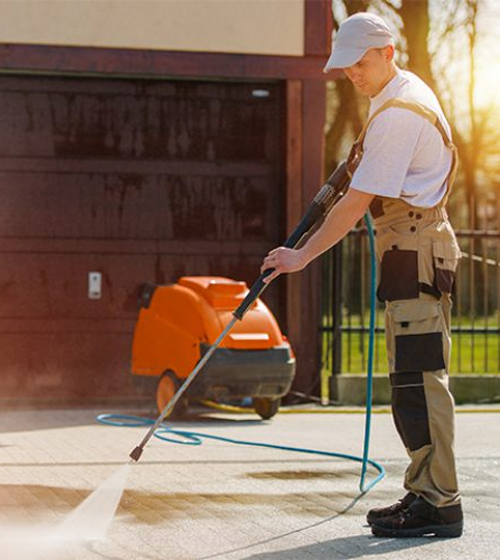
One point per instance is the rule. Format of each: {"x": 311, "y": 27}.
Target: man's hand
{"x": 282, "y": 260}
{"x": 337, "y": 224}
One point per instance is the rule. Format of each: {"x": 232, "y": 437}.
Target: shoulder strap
{"x": 427, "y": 114}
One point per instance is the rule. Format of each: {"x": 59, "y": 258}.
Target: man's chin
{"x": 364, "y": 89}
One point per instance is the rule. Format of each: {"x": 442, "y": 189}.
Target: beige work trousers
{"x": 418, "y": 256}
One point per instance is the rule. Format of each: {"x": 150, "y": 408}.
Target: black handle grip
{"x": 258, "y": 287}
{"x": 312, "y": 215}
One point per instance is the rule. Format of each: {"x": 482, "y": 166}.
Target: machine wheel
{"x": 266, "y": 408}
{"x": 166, "y": 389}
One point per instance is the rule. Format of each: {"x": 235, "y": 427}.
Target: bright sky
{"x": 487, "y": 86}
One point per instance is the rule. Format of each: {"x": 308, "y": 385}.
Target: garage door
{"x": 137, "y": 181}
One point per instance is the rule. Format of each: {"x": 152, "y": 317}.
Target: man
{"x": 402, "y": 167}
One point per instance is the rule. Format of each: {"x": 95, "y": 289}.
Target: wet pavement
{"x": 229, "y": 501}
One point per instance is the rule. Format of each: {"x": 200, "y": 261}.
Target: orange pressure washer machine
{"x": 178, "y": 323}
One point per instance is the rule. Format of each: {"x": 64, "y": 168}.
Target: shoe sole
{"x": 449, "y": 531}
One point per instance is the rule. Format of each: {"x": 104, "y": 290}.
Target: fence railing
{"x": 475, "y": 315}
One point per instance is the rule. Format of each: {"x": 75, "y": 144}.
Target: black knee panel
{"x": 409, "y": 408}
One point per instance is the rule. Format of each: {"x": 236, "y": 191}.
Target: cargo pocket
{"x": 409, "y": 409}
{"x": 398, "y": 275}
{"x": 418, "y": 331}
{"x": 446, "y": 256}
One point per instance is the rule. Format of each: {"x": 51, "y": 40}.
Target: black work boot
{"x": 421, "y": 519}
{"x": 378, "y": 513}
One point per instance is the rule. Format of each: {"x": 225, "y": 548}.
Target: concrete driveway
{"x": 227, "y": 501}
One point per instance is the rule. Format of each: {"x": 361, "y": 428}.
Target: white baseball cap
{"x": 355, "y": 36}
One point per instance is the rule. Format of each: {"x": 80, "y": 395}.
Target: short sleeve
{"x": 389, "y": 147}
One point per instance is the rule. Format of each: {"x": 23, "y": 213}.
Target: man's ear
{"x": 389, "y": 53}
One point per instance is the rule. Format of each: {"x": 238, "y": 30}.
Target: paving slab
{"x": 228, "y": 501}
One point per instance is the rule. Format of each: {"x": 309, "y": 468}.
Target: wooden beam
{"x": 294, "y": 205}
{"x": 147, "y": 63}
{"x": 313, "y": 111}
{"x": 318, "y": 27}
{"x": 306, "y": 102}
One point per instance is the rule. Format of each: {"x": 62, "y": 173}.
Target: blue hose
{"x": 369, "y": 374}
{"x": 195, "y": 438}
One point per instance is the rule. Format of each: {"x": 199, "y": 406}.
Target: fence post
{"x": 337, "y": 310}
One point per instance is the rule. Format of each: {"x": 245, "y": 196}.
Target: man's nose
{"x": 352, "y": 74}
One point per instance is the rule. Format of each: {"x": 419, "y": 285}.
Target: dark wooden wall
{"x": 139, "y": 180}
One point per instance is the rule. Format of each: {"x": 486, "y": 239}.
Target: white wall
{"x": 231, "y": 26}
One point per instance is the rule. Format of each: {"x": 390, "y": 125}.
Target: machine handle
{"x": 319, "y": 208}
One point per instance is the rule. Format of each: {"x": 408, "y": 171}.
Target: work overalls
{"x": 418, "y": 255}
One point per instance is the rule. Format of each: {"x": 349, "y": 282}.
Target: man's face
{"x": 372, "y": 72}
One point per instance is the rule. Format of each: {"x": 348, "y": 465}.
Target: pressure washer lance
{"x": 329, "y": 194}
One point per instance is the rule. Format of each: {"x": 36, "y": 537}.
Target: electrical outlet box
{"x": 95, "y": 285}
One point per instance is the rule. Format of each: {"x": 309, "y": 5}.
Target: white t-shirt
{"x": 404, "y": 154}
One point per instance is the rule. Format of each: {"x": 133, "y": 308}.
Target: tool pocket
{"x": 418, "y": 336}
{"x": 446, "y": 256}
{"x": 398, "y": 275}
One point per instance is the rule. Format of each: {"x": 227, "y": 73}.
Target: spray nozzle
{"x": 136, "y": 453}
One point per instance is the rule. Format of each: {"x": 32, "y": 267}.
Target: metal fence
{"x": 475, "y": 316}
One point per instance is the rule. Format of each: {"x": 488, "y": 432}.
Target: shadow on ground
{"x": 356, "y": 546}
